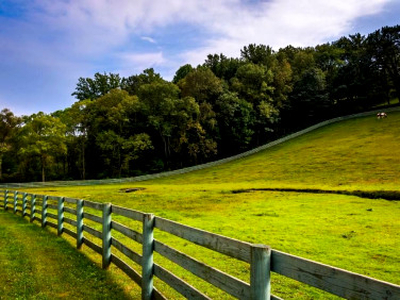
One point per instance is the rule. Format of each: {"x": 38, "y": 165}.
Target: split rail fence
{"x": 73, "y": 216}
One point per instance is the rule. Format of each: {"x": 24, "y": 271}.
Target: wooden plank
{"x": 91, "y": 204}
{"x": 51, "y": 224}
{"x": 178, "y": 284}
{"x": 92, "y": 231}
{"x": 221, "y": 280}
{"x": 70, "y": 221}
{"x": 24, "y": 204}
{"x": 69, "y": 232}
{"x": 70, "y": 210}
{"x": 219, "y": 243}
{"x": 92, "y": 217}
{"x": 134, "y": 235}
{"x": 53, "y": 216}
{"x": 129, "y": 213}
{"x": 15, "y": 202}
{"x": 333, "y": 280}
{"x": 71, "y": 200}
{"x": 6, "y": 197}
{"x": 92, "y": 245}
{"x": 135, "y": 276}
{"x": 52, "y": 206}
{"x": 38, "y": 219}
{"x": 55, "y": 198}
{"x": 127, "y": 251}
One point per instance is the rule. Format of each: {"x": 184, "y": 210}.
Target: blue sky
{"x": 46, "y": 45}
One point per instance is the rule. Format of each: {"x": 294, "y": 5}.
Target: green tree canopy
{"x": 43, "y": 136}
{"x": 93, "y": 88}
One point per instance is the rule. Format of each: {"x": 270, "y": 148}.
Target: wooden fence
{"x": 79, "y": 219}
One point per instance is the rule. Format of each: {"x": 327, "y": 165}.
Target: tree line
{"x": 127, "y": 126}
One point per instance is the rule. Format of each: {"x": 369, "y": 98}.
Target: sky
{"x": 46, "y": 45}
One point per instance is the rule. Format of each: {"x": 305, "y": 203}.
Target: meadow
{"x": 346, "y": 231}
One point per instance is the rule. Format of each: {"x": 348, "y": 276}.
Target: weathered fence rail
{"x": 95, "y": 228}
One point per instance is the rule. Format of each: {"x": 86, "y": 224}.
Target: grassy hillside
{"x": 362, "y": 153}
{"x": 358, "y": 234}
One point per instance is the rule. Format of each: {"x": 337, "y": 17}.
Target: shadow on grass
{"x": 386, "y": 195}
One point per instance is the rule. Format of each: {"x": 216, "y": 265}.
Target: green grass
{"x": 34, "y": 264}
{"x": 350, "y": 232}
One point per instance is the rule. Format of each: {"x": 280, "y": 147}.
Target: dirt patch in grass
{"x": 130, "y": 190}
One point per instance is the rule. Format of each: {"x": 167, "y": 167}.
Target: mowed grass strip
{"x": 35, "y": 264}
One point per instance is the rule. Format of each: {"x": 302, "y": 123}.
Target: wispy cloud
{"x": 148, "y": 39}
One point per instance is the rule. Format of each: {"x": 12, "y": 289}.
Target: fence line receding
{"x": 99, "y": 226}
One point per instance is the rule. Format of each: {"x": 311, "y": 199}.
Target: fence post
{"x": 147, "y": 258}
{"x": 44, "y": 211}
{"x": 106, "y": 235}
{"x": 60, "y": 215}
{"x": 15, "y": 201}
{"x": 79, "y": 224}
{"x": 24, "y": 196}
{"x": 260, "y": 279}
{"x": 33, "y": 207}
{"x": 5, "y": 199}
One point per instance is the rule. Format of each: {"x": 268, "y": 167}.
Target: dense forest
{"x": 121, "y": 127}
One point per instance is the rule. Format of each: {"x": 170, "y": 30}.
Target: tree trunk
{"x": 43, "y": 172}
{"x": 83, "y": 160}
{"x": 1, "y": 166}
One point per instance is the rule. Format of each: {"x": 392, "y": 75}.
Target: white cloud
{"x": 148, "y": 39}
{"x": 97, "y": 26}
{"x": 281, "y": 23}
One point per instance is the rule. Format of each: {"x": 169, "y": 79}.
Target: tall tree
{"x": 157, "y": 102}
{"x": 8, "y": 126}
{"x": 43, "y": 136}
{"x": 384, "y": 45}
{"x": 222, "y": 66}
{"x": 182, "y": 72}
{"x": 202, "y": 85}
{"x": 93, "y": 88}
{"x": 133, "y": 83}
{"x": 235, "y": 118}
{"x": 258, "y": 54}
{"x": 113, "y": 133}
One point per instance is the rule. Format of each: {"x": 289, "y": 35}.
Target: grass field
{"x": 34, "y": 264}
{"x": 358, "y": 234}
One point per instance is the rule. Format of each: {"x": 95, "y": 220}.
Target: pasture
{"x": 358, "y": 234}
